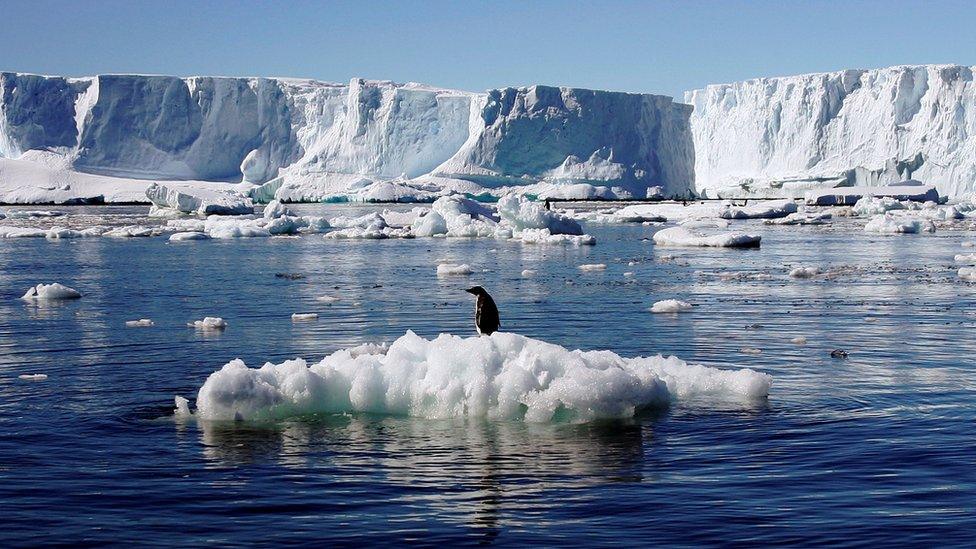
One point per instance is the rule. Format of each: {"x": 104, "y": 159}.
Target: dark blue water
{"x": 875, "y": 449}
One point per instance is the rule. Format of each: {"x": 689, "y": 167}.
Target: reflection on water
{"x": 875, "y": 447}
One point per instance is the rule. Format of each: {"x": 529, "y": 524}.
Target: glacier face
{"x": 782, "y": 136}
{"x": 310, "y": 139}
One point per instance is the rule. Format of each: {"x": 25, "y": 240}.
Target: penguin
{"x": 485, "y": 312}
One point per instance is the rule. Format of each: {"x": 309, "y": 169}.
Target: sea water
{"x": 874, "y": 447}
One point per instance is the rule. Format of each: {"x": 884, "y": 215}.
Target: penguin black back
{"x": 485, "y": 313}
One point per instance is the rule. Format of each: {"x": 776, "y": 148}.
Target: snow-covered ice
{"x": 888, "y": 224}
{"x": 671, "y": 306}
{"x": 141, "y": 323}
{"x": 504, "y": 376}
{"x": 448, "y": 269}
{"x": 51, "y": 292}
{"x": 682, "y": 237}
{"x": 209, "y": 323}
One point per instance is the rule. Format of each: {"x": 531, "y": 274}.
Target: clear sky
{"x": 658, "y": 47}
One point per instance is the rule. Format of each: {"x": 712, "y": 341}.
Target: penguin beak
{"x": 470, "y": 290}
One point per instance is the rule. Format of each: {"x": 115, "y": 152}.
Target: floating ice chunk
{"x": 188, "y": 235}
{"x": 682, "y": 237}
{"x": 751, "y": 351}
{"x": 447, "y": 269}
{"x": 30, "y": 214}
{"x": 327, "y": 299}
{"x": 629, "y": 274}
{"x": 804, "y": 272}
{"x": 528, "y": 272}
{"x": 801, "y": 218}
{"x": 762, "y": 210}
{"x": 871, "y": 205}
{"x": 887, "y": 224}
{"x": 198, "y": 200}
{"x": 799, "y": 340}
{"x": 208, "y": 323}
{"x": 276, "y": 209}
{"x": 586, "y": 267}
{"x": 141, "y": 323}
{"x": 51, "y": 292}
{"x": 182, "y": 407}
{"x": 458, "y": 217}
{"x": 967, "y": 273}
{"x": 671, "y": 306}
{"x": 21, "y": 232}
{"x": 234, "y": 227}
{"x": 32, "y": 377}
{"x": 966, "y": 258}
{"x": 968, "y": 244}
{"x": 355, "y": 233}
{"x": 543, "y": 236}
{"x": 131, "y": 231}
{"x": 304, "y": 317}
{"x": 58, "y": 233}
{"x": 504, "y": 376}
{"x": 839, "y": 196}
{"x": 521, "y": 214}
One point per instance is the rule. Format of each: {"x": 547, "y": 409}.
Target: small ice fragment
{"x": 805, "y": 272}
{"x": 327, "y": 299}
{"x": 141, "y": 323}
{"x": 969, "y": 244}
{"x": 51, "y": 291}
{"x": 182, "y": 407}
{"x": 967, "y": 273}
{"x": 448, "y": 269}
{"x": 671, "y": 306}
{"x": 629, "y": 274}
{"x": 209, "y": 323}
{"x": 751, "y": 351}
{"x": 966, "y": 258}
{"x": 799, "y": 340}
{"x": 593, "y": 267}
{"x": 188, "y": 235}
{"x": 302, "y": 317}
{"x": 33, "y": 377}
{"x": 528, "y": 272}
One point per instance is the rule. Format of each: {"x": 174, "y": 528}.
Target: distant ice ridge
{"x": 783, "y": 136}
{"x": 296, "y": 139}
{"x": 503, "y": 376}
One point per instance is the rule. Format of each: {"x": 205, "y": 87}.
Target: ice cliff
{"x": 305, "y": 139}
{"x": 782, "y": 136}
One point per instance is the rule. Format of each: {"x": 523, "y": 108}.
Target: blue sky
{"x": 657, "y": 47}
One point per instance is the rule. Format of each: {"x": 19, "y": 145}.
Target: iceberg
{"x": 888, "y": 224}
{"x": 784, "y": 136}
{"x": 671, "y": 306}
{"x": 682, "y": 237}
{"x": 196, "y": 200}
{"x": 504, "y": 376}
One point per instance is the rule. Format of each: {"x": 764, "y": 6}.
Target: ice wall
{"x": 330, "y": 137}
{"x": 781, "y": 136}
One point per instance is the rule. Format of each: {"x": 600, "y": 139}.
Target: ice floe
{"x": 209, "y": 323}
{"x": 304, "y": 317}
{"x": 198, "y": 200}
{"x": 189, "y": 235}
{"x": 682, "y": 237}
{"x": 589, "y": 267}
{"x": 888, "y": 224}
{"x": 762, "y": 210}
{"x": 141, "y": 323}
{"x": 503, "y": 376}
{"x": 448, "y": 269}
{"x": 51, "y": 292}
{"x": 671, "y": 306}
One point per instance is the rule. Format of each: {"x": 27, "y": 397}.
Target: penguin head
{"x": 477, "y": 290}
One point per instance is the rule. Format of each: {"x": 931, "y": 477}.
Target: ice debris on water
{"x": 209, "y": 323}
{"x": 804, "y": 272}
{"x": 51, "y": 292}
{"x": 32, "y": 377}
{"x": 141, "y": 323}
{"x": 303, "y": 317}
{"x": 671, "y": 306}
{"x": 589, "y": 267}
{"x": 449, "y": 269}
{"x": 799, "y": 340}
{"x": 182, "y": 407}
{"x": 503, "y": 376}
{"x": 682, "y": 237}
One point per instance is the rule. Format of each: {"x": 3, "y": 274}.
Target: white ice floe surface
{"x": 762, "y": 210}
{"x": 591, "y": 267}
{"x": 804, "y": 272}
{"x": 671, "y": 306}
{"x": 503, "y": 376}
{"x": 141, "y": 323}
{"x": 889, "y": 224}
{"x": 209, "y": 323}
{"x": 304, "y": 317}
{"x": 682, "y": 237}
{"x": 189, "y": 235}
{"x": 51, "y": 292}
{"x": 454, "y": 269}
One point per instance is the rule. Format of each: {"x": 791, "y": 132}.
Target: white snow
{"x": 448, "y": 269}
{"x": 503, "y": 376}
{"x": 141, "y": 323}
{"x": 682, "y": 237}
{"x": 51, "y": 292}
{"x": 209, "y": 323}
{"x": 671, "y": 306}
